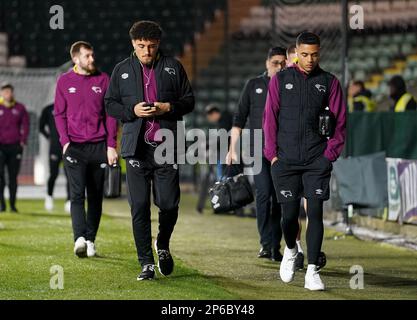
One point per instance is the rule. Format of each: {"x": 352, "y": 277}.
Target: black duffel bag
{"x": 112, "y": 181}
{"x": 230, "y": 194}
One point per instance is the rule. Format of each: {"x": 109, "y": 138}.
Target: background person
{"x": 48, "y": 129}
{"x": 251, "y": 105}
{"x": 14, "y": 131}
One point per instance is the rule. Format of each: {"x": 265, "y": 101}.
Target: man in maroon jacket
{"x": 88, "y": 136}
{"x": 14, "y": 131}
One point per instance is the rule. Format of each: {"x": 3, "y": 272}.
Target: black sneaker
{"x": 2, "y": 207}
{"x": 276, "y": 255}
{"x": 148, "y": 272}
{"x": 299, "y": 261}
{"x": 264, "y": 253}
{"x": 14, "y": 210}
{"x": 165, "y": 261}
{"x": 321, "y": 260}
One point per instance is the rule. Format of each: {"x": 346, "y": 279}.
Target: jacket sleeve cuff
{"x": 64, "y": 141}
{"x": 329, "y": 155}
{"x": 111, "y": 143}
{"x": 130, "y": 112}
{"x": 269, "y": 155}
{"x": 172, "y": 110}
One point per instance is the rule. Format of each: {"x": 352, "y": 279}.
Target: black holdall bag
{"x": 112, "y": 181}
{"x": 231, "y": 193}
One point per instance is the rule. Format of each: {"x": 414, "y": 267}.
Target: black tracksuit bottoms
{"x": 142, "y": 173}
{"x": 55, "y": 158}
{"x": 84, "y": 164}
{"x": 10, "y": 157}
{"x": 268, "y": 210}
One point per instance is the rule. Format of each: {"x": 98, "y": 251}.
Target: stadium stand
{"x": 377, "y": 53}
{"x": 387, "y": 46}
{"x": 27, "y": 40}
{"x": 103, "y": 23}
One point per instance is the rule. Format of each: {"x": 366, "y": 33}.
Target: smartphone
{"x": 148, "y": 106}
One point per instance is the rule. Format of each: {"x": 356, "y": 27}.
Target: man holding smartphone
{"x": 149, "y": 91}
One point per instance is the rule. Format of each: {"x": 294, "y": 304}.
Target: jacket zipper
{"x": 304, "y": 127}
{"x": 300, "y": 144}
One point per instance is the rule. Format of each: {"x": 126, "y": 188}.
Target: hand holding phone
{"x": 148, "y": 106}
{"x": 144, "y": 110}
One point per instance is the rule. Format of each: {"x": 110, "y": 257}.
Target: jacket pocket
{"x": 168, "y": 96}
{"x": 129, "y": 100}
{"x": 127, "y": 146}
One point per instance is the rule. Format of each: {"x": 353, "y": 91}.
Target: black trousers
{"x": 268, "y": 210}
{"x": 142, "y": 174}
{"x": 84, "y": 164}
{"x": 55, "y": 158}
{"x": 10, "y": 157}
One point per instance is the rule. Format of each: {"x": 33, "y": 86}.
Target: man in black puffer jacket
{"x": 251, "y": 105}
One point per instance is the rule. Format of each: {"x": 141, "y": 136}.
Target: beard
{"x": 89, "y": 68}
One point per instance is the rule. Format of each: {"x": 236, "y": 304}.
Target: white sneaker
{"x": 49, "y": 203}
{"x": 91, "y": 249}
{"x": 67, "y": 206}
{"x": 287, "y": 267}
{"x": 312, "y": 279}
{"x": 80, "y": 247}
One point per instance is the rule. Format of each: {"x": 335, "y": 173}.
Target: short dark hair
{"x": 76, "y": 47}
{"x": 211, "y": 108}
{"x": 308, "y": 38}
{"x": 398, "y": 83}
{"x": 276, "y": 51}
{"x": 359, "y": 83}
{"x": 6, "y": 85}
{"x": 290, "y": 50}
{"x": 145, "y": 30}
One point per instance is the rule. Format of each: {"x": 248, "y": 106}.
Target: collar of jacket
{"x": 317, "y": 70}
{"x": 7, "y": 104}
{"x": 137, "y": 69}
{"x": 265, "y": 78}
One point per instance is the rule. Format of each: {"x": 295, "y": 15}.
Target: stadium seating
{"x": 375, "y": 54}
{"x": 103, "y": 23}
{"x": 381, "y": 13}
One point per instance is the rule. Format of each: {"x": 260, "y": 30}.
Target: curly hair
{"x": 145, "y": 30}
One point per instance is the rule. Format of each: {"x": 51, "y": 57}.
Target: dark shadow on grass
{"x": 230, "y": 283}
{"x": 374, "y": 279}
{"x": 272, "y": 266}
{"x": 45, "y": 215}
{"x": 373, "y": 257}
{"x": 104, "y": 258}
{"x": 388, "y": 281}
{"x": 117, "y": 217}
